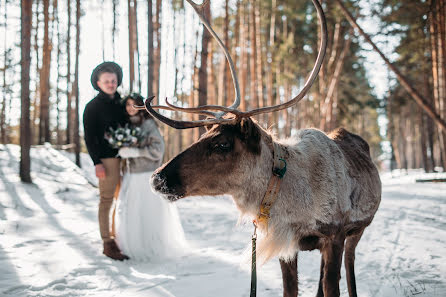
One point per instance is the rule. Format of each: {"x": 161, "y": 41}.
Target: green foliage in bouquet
{"x": 127, "y": 136}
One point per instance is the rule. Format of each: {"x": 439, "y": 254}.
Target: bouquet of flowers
{"x": 127, "y": 136}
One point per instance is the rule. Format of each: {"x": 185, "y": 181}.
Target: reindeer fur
{"x": 329, "y": 193}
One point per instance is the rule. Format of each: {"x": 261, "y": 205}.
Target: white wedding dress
{"x": 147, "y": 227}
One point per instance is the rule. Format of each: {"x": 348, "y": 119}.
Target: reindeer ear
{"x": 250, "y": 132}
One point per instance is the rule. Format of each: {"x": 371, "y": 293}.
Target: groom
{"x": 102, "y": 113}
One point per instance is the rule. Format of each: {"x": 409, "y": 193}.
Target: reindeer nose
{"x": 157, "y": 182}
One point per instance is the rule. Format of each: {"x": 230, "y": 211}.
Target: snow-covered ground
{"x": 50, "y": 244}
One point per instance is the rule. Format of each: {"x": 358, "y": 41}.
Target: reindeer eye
{"x": 222, "y": 146}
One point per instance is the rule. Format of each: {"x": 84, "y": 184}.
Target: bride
{"x": 147, "y": 227}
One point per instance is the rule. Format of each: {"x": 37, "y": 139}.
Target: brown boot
{"x": 111, "y": 250}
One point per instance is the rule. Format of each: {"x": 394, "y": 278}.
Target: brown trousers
{"x": 107, "y": 192}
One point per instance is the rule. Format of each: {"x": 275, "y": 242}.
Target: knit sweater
{"x": 150, "y": 149}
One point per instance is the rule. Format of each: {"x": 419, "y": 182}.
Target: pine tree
{"x": 25, "y": 129}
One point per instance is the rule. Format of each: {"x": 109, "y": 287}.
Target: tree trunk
{"x": 134, "y": 64}
{"x": 3, "y": 127}
{"x": 229, "y": 87}
{"x": 282, "y": 66}
{"x": 243, "y": 56}
{"x": 441, "y": 44}
{"x": 259, "y": 59}
{"x": 56, "y": 22}
{"x": 427, "y": 121}
{"x": 202, "y": 74}
{"x": 35, "y": 99}
{"x": 321, "y": 75}
{"x": 236, "y": 44}
{"x": 149, "y": 48}
{"x": 25, "y": 129}
{"x": 77, "y": 144}
{"x": 223, "y": 91}
{"x": 415, "y": 95}
{"x": 434, "y": 56}
{"x": 183, "y": 68}
{"x": 130, "y": 6}
{"x": 212, "y": 89}
{"x": 44, "y": 123}
{"x": 254, "y": 99}
{"x": 425, "y": 126}
{"x": 327, "y": 111}
{"x": 289, "y": 123}
{"x": 193, "y": 97}
{"x": 103, "y": 31}
{"x": 138, "y": 64}
{"x": 178, "y": 133}
{"x": 157, "y": 51}
{"x": 68, "y": 77}
{"x": 391, "y": 135}
{"x": 270, "y": 60}
{"x": 115, "y": 4}
{"x": 402, "y": 139}
{"x": 423, "y": 141}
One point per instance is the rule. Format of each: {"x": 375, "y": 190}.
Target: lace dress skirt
{"x": 147, "y": 226}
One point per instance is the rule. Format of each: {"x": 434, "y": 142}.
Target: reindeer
{"x": 327, "y": 197}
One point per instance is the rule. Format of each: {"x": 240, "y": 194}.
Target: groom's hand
{"x": 100, "y": 171}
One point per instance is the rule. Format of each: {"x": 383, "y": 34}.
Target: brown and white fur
{"x": 328, "y": 195}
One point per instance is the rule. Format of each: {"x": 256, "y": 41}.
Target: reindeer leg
{"x": 320, "y": 292}
{"x": 289, "y": 277}
{"x": 332, "y": 254}
{"x": 349, "y": 261}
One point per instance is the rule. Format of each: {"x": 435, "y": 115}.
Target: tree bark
{"x": 149, "y": 48}
{"x": 212, "y": 88}
{"x": 434, "y": 29}
{"x": 178, "y": 133}
{"x": 202, "y": 73}
{"x": 130, "y": 8}
{"x": 35, "y": 100}
{"x": 327, "y": 110}
{"x": 25, "y": 128}
{"x": 115, "y": 4}
{"x": 425, "y": 126}
{"x": 223, "y": 91}
{"x": 259, "y": 58}
{"x": 77, "y": 144}
{"x": 138, "y": 64}
{"x": 3, "y": 127}
{"x": 44, "y": 123}
{"x": 254, "y": 99}
{"x": 229, "y": 87}
{"x": 193, "y": 100}
{"x": 58, "y": 54}
{"x": 68, "y": 77}
{"x": 415, "y": 95}
{"x": 270, "y": 60}
{"x": 283, "y": 68}
{"x": 441, "y": 44}
{"x": 243, "y": 56}
{"x": 103, "y": 31}
{"x": 157, "y": 51}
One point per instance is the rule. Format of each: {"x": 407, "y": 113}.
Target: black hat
{"x": 105, "y": 67}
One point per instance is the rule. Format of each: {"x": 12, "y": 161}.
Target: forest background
{"x": 49, "y": 48}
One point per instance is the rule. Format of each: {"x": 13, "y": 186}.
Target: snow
{"x": 50, "y": 243}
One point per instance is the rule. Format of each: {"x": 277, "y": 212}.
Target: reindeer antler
{"x": 218, "y": 116}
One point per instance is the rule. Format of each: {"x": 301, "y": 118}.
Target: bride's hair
{"x": 139, "y": 100}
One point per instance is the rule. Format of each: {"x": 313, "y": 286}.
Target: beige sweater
{"x": 151, "y": 150}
